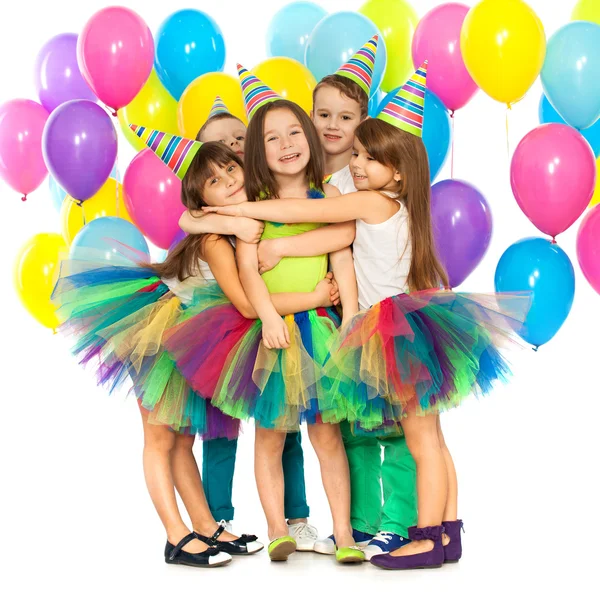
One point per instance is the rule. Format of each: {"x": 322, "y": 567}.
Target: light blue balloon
{"x": 537, "y": 265}
{"x": 108, "y": 235}
{"x": 547, "y": 114}
{"x": 336, "y": 38}
{"x": 291, "y": 27}
{"x": 571, "y": 73}
{"x": 375, "y": 101}
{"x": 189, "y": 43}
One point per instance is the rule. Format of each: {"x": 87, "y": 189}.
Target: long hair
{"x": 260, "y": 182}
{"x": 406, "y": 154}
{"x": 182, "y": 261}
{"x": 217, "y": 117}
{"x": 347, "y": 88}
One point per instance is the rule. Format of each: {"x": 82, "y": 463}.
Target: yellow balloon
{"x": 288, "y": 78}
{"x": 103, "y": 204}
{"x": 503, "y": 45}
{"x": 197, "y": 100}
{"x": 35, "y": 274}
{"x": 153, "y": 107}
{"x": 596, "y": 197}
{"x": 586, "y": 10}
{"x": 397, "y": 21}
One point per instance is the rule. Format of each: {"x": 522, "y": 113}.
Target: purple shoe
{"x": 426, "y": 560}
{"x": 453, "y": 551}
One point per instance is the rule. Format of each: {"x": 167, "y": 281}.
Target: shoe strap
{"x": 426, "y": 533}
{"x": 186, "y": 540}
{"x": 212, "y": 541}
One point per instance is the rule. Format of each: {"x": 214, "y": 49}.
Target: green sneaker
{"x": 281, "y": 548}
{"x": 349, "y": 554}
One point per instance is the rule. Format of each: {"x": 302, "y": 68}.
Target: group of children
{"x": 297, "y": 297}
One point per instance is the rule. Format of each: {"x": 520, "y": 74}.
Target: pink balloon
{"x": 153, "y": 198}
{"x": 588, "y": 247}
{"x": 115, "y": 53}
{"x": 437, "y": 39}
{"x": 21, "y": 160}
{"x": 552, "y": 175}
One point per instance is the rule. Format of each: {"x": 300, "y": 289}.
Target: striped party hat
{"x": 175, "y": 151}
{"x": 405, "y": 109}
{"x": 218, "y": 108}
{"x": 360, "y": 67}
{"x": 255, "y": 92}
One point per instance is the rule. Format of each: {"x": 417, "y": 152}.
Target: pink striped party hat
{"x": 218, "y": 108}
{"x": 256, "y": 93}
{"x": 360, "y": 67}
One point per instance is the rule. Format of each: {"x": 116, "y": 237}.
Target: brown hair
{"x": 182, "y": 261}
{"x": 217, "y": 117}
{"x": 260, "y": 182}
{"x": 348, "y": 88}
{"x": 406, "y": 154}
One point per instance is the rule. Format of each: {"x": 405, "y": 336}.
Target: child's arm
{"x": 343, "y": 269}
{"x": 248, "y": 230}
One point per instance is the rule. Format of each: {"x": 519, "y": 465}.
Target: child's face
{"x": 368, "y": 174}
{"x": 230, "y": 132}
{"x": 286, "y": 146}
{"x": 336, "y": 117}
{"x": 225, "y": 185}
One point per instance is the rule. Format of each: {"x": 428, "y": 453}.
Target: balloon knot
{"x": 452, "y": 114}
{"x": 554, "y": 240}
{"x": 24, "y": 198}
{"x": 79, "y": 203}
{"x": 535, "y": 348}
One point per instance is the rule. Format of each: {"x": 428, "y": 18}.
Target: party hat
{"x": 218, "y": 108}
{"x": 360, "y": 67}
{"x": 405, "y": 109}
{"x": 175, "y": 151}
{"x": 256, "y": 93}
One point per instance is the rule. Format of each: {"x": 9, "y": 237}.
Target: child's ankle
{"x": 296, "y": 521}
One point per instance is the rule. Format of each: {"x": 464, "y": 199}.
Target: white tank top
{"x": 382, "y": 254}
{"x": 343, "y": 181}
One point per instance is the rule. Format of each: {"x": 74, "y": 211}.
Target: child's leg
{"x": 327, "y": 442}
{"x": 296, "y": 508}
{"x": 218, "y": 465}
{"x": 268, "y": 470}
{"x": 451, "y": 510}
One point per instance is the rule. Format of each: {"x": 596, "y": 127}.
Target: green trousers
{"x": 368, "y": 474}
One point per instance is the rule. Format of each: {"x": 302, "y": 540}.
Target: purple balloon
{"x": 462, "y": 227}
{"x": 178, "y": 237}
{"x": 57, "y": 75}
{"x": 80, "y": 147}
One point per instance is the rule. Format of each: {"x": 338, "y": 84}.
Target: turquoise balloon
{"x": 538, "y": 266}
{"x": 336, "y": 38}
{"x": 571, "y": 73}
{"x": 291, "y": 27}
{"x": 374, "y": 103}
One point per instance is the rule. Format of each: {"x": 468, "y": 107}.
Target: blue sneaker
{"x": 327, "y": 546}
{"x": 384, "y": 542}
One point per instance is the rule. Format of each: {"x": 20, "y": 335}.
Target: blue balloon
{"x": 107, "y": 235}
{"x": 436, "y": 130}
{"x": 541, "y": 267}
{"x": 336, "y": 38}
{"x": 547, "y": 114}
{"x": 291, "y": 27}
{"x": 189, "y": 43}
{"x": 375, "y": 101}
{"x": 571, "y": 73}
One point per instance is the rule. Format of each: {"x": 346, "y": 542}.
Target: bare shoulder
{"x": 331, "y": 191}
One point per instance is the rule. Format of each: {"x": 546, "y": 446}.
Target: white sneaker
{"x": 384, "y": 542}
{"x": 325, "y": 546}
{"x": 305, "y": 535}
{"x": 228, "y": 526}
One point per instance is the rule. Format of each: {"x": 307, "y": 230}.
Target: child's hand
{"x": 268, "y": 255}
{"x": 323, "y": 291}
{"x": 231, "y": 210}
{"x": 335, "y": 291}
{"x": 248, "y": 230}
{"x": 275, "y": 333}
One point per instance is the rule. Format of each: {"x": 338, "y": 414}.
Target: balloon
{"x": 153, "y": 198}
{"x": 288, "y": 78}
{"x": 80, "y": 147}
{"x": 541, "y": 267}
{"x": 178, "y": 237}
{"x": 107, "y": 235}
{"x": 21, "y": 161}
{"x": 588, "y": 247}
{"x": 437, "y": 39}
{"x": 586, "y": 10}
{"x": 197, "y": 100}
{"x": 336, "y": 38}
{"x": 35, "y": 274}
{"x": 375, "y": 102}
{"x": 397, "y": 20}
{"x": 291, "y": 27}
{"x": 462, "y": 226}
{"x": 153, "y": 107}
{"x": 115, "y": 52}
{"x": 596, "y": 197}
{"x": 57, "y": 75}
{"x": 189, "y": 43}
{"x": 552, "y": 175}
{"x": 571, "y": 73}
{"x": 503, "y": 45}
{"x": 547, "y": 114}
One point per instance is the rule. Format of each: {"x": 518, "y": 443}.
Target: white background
{"x": 76, "y": 521}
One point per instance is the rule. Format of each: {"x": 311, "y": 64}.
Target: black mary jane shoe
{"x": 211, "y": 557}
{"x": 245, "y": 544}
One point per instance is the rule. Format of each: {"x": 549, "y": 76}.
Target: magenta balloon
{"x": 153, "y": 198}
{"x": 552, "y": 175}
{"x": 21, "y": 160}
{"x": 588, "y": 247}
{"x": 57, "y": 75}
{"x": 437, "y": 40}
